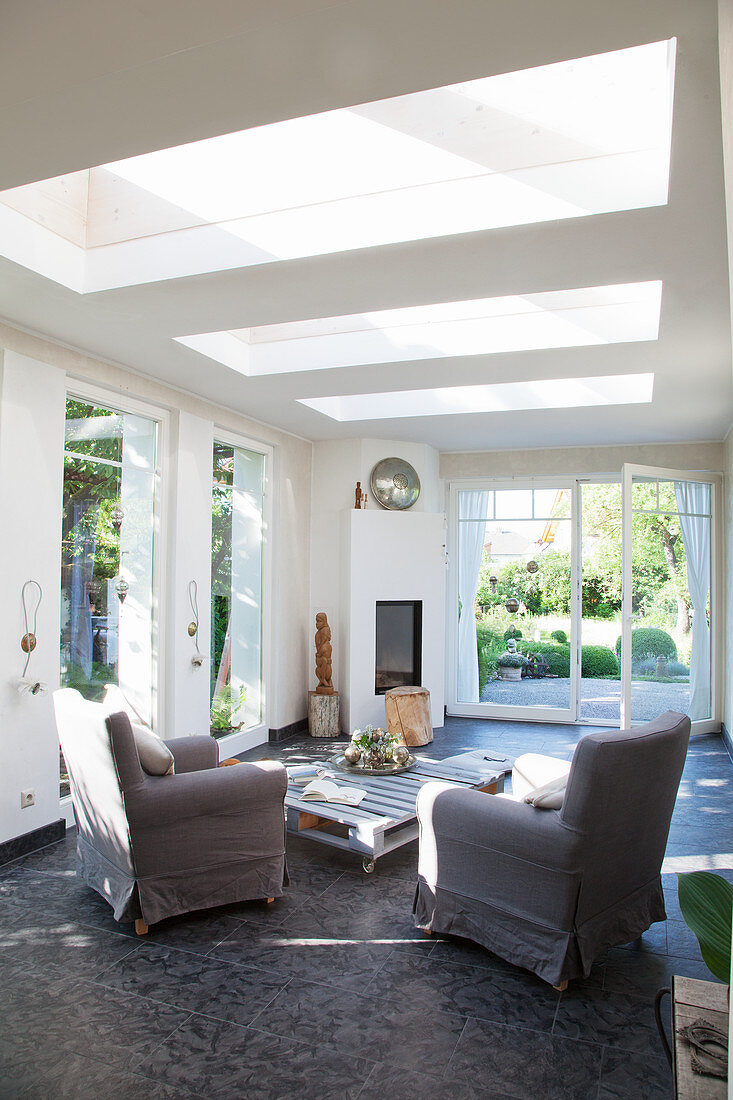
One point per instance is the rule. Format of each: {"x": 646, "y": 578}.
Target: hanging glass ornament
{"x": 512, "y": 605}
{"x": 493, "y": 581}
{"x": 532, "y": 566}
{"x": 122, "y": 588}
{"x": 117, "y": 515}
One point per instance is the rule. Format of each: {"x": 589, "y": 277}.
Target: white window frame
{"x": 83, "y": 390}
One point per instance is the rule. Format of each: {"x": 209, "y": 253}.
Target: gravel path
{"x": 600, "y": 699}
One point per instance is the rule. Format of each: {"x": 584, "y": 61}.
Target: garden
{"x": 529, "y": 602}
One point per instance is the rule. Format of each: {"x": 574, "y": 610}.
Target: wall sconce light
{"x": 27, "y": 685}
{"x": 193, "y": 627}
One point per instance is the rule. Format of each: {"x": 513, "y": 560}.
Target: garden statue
{"x": 323, "y": 655}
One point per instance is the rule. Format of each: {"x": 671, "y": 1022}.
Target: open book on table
{"x": 325, "y": 790}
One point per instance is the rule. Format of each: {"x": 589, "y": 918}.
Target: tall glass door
{"x": 108, "y": 591}
{"x": 237, "y": 589}
{"x": 600, "y": 621}
{"x": 515, "y": 622}
{"x": 581, "y": 600}
{"x": 668, "y": 610}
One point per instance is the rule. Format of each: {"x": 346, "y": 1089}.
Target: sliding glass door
{"x": 585, "y": 600}
{"x": 669, "y": 619}
{"x": 514, "y": 619}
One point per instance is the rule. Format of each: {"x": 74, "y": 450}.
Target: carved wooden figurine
{"x": 323, "y": 655}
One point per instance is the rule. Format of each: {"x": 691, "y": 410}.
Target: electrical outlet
{"x": 27, "y": 798}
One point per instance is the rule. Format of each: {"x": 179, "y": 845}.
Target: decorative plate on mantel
{"x": 395, "y": 483}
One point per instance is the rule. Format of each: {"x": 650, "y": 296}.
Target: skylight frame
{"x": 577, "y": 317}
{"x": 496, "y": 398}
{"x": 454, "y": 192}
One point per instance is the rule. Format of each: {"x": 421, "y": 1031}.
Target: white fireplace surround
{"x": 390, "y": 556}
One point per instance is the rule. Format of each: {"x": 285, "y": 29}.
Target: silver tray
{"x": 384, "y": 769}
{"x": 395, "y": 483}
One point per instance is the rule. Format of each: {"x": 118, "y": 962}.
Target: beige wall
{"x": 291, "y": 564}
{"x": 581, "y": 460}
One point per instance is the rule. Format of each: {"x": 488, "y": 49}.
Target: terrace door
{"x": 670, "y": 607}
{"x": 514, "y": 587}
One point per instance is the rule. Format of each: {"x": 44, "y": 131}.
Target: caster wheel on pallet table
{"x": 369, "y": 865}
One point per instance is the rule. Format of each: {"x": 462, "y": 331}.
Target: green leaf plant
{"x": 706, "y": 901}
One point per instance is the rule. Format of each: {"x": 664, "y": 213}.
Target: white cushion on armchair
{"x": 540, "y": 780}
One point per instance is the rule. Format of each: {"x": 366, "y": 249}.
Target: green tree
{"x": 659, "y": 555}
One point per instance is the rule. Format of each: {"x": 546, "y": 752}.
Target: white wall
{"x": 392, "y": 556}
{"x": 32, "y": 403}
{"x": 337, "y": 466}
{"x": 32, "y": 406}
{"x": 189, "y": 560}
{"x": 422, "y": 457}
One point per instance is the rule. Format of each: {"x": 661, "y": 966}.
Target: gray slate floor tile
{"x": 363, "y": 1025}
{"x": 468, "y": 991}
{"x": 193, "y": 983}
{"x": 513, "y": 1062}
{"x": 222, "y": 1059}
{"x": 628, "y": 1077}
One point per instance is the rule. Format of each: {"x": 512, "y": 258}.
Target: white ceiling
{"x": 91, "y": 82}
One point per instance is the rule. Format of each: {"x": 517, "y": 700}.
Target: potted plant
{"x": 510, "y": 666}
{"x": 706, "y": 901}
{"x": 224, "y": 707}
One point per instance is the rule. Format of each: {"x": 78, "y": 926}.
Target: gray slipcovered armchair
{"x": 158, "y": 845}
{"x": 550, "y": 890}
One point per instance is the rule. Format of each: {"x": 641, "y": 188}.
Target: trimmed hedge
{"x": 649, "y": 641}
{"x": 599, "y": 662}
{"x": 560, "y": 636}
{"x": 490, "y": 644}
{"x": 557, "y": 656}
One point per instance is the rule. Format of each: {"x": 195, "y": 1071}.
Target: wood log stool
{"x": 407, "y": 712}
{"x": 324, "y": 718}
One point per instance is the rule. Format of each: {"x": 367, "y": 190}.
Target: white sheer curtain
{"x": 472, "y": 505}
{"x": 694, "y": 497}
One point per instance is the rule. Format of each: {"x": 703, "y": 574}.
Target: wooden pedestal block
{"x": 407, "y": 712}
{"x": 323, "y": 715}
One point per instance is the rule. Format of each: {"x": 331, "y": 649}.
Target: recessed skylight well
{"x": 555, "y": 393}
{"x": 559, "y": 141}
{"x": 551, "y": 319}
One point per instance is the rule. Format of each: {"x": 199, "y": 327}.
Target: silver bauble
{"x": 352, "y": 754}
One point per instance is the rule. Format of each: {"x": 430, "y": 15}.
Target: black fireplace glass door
{"x": 399, "y": 645}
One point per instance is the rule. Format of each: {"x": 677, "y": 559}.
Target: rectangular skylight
{"x": 550, "y": 319}
{"x": 555, "y": 393}
{"x": 558, "y": 141}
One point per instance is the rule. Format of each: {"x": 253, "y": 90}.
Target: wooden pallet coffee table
{"x": 386, "y": 818}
